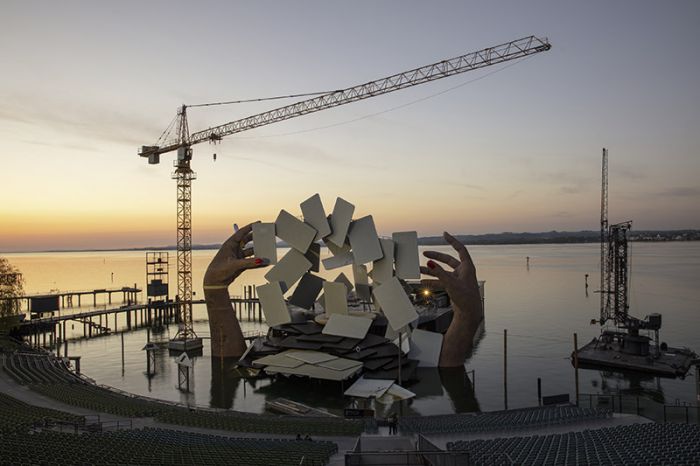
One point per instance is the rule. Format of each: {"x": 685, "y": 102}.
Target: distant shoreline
{"x": 489, "y": 239}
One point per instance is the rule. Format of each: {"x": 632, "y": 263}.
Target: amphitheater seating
{"x": 636, "y": 444}
{"x": 7, "y": 343}
{"x": 242, "y": 422}
{"x": 18, "y": 416}
{"x": 99, "y": 399}
{"x": 34, "y": 367}
{"x": 500, "y": 420}
{"x": 158, "y": 446}
{"x": 48, "y": 376}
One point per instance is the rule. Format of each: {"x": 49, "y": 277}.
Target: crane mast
{"x": 604, "y": 277}
{"x": 614, "y": 264}
{"x": 184, "y": 175}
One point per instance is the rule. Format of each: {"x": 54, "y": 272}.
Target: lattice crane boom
{"x": 184, "y": 175}
{"x": 472, "y": 61}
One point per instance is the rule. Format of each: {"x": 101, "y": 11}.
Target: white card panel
{"x": 347, "y": 326}
{"x": 341, "y": 278}
{"x": 395, "y": 304}
{"x": 313, "y": 371}
{"x": 289, "y": 269}
{"x": 340, "y": 258}
{"x": 426, "y": 347}
{"x": 335, "y": 298}
{"x": 340, "y": 221}
{"x": 407, "y": 262}
{"x": 273, "y": 305}
{"x": 314, "y": 215}
{"x": 264, "y": 241}
{"x": 362, "y": 288}
{"x": 294, "y": 232}
{"x": 383, "y": 269}
{"x": 311, "y": 357}
{"x": 340, "y": 364}
{"x": 364, "y": 241}
{"x": 280, "y": 360}
{"x": 398, "y": 392}
{"x": 367, "y": 388}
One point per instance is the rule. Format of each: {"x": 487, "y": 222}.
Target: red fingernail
{"x": 431, "y": 264}
{"x": 258, "y": 261}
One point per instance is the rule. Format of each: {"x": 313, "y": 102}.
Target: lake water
{"x": 541, "y": 306}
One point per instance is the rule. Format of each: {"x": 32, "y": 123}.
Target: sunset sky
{"x": 514, "y": 147}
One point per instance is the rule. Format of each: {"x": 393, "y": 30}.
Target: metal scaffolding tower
{"x": 614, "y": 266}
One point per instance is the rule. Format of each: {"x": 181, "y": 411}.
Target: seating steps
{"x": 636, "y": 444}
{"x": 16, "y": 415}
{"x": 157, "y": 446}
{"x": 500, "y": 420}
{"x": 50, "y": 377}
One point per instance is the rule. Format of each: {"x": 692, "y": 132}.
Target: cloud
{"x": 466, "y": 185}
{"x": 74, "y": 118}
{"x": 311, "y": 155}
{"x": 680, "y": 191}
{"x": 72, "y": 146}
{"x": 570, "y": 189}
{"x": 515, "y": 194}
{"x": 628, "y": 173}
{"x": 562, "y": 214}
{"x": 568, "y": 182}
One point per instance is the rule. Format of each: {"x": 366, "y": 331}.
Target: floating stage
{"x": 186, "y": 345}
{"x": 632, "y": 354}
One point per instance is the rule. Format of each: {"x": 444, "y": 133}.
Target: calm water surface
{"x": 540, "y": 306}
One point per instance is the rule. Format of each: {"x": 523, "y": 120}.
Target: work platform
{"x": 189, "y": 345}
{"x": 671, "y": 362}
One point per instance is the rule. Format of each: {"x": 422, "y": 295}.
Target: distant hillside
{"x": 555, "y": 237}
{"x": 549, "y": 237}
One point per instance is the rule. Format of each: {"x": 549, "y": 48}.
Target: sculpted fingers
{"x": 252, "y": 263}
{"x": 460, "y": 248}
{"x": 243, "y": 232}
{"x": 434, "y": 269}
{"x": 442, "y": 257}
{"x": 246, "y": 239}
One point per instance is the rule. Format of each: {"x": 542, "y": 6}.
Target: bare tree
{"x": 11, "y": 285}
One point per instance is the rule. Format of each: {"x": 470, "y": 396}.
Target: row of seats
{"x": 262, "y": 423}
{"x": 96, "y": 398}
{"x": 50, "y": 377}
{"x": 636, "y": 444}
{"x": 99, "y": 399}
{"x": 500, "y": 420}
{"x": 16, "y": 415}
{"x": 34, "y": 367}
{"x": 157, "y": 446}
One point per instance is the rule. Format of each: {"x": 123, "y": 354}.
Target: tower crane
{"x": 186, "y": 338}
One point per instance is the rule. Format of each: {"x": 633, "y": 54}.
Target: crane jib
{"x": 475, "y": 60}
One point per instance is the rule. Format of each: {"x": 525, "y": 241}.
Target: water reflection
{"x": 224, "y": 382}
{"x": 432, "y": 388}
{"x": 629, "y": 383}
{"x": 541, "y": 308}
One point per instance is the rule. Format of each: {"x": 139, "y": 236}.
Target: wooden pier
{"x": 52, "y": 331}
{"x": 68, "y": 299}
